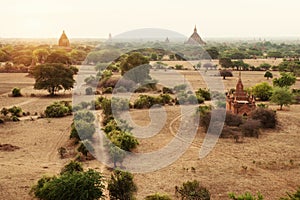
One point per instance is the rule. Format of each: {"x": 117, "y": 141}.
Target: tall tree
{"x": 286, "y": 80}
{"x": 53, "y": 77}
{"x": 136, "y": 66}
{"x": 281, "y": 96}
{"x": 225, "y": 62}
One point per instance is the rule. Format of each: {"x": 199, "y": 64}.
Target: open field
{"x": 270, "y": 164}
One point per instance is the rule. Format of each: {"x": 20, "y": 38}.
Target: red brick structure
{"x": 240, "y": 102}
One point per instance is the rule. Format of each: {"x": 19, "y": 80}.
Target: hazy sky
{"x": 98, "y": 18}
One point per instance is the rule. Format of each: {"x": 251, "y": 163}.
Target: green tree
{"x": 274, "y": 54}
{"x": 263, "y": 91}
{"x": 16, "y": 92}
{"x": 225, "y": 62}
{"x": 76, "y": 186}
{"x": 281, "y": 96}
{"x": 59, "y": 57}
{"x": 135, "y": 59}
{"x": 226, "y": 73}
{"x": 41, "y": 55}
{"x": 121, "y": 186}
{"x": 213, "y": 52}
{"x": 53, "y": 77}
{"x": 265, "y": 66}
{"x": 286, "y": 80}
{"x": 268, "y": 75}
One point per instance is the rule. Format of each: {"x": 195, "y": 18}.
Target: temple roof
{"x": 195, "y": 38}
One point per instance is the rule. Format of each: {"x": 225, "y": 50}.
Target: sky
{"x": 98, "y": 18}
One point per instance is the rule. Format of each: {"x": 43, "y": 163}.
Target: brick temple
{"x": 240, "y": 102}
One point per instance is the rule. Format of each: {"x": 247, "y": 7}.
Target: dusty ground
{"x": 270, "y": 164}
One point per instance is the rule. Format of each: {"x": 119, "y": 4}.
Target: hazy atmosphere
{"x": 96, "y": 19}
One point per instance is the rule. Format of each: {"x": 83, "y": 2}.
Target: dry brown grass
{"x": 270, "y": 164}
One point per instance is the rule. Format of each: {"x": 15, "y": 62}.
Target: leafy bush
{"x": 121, "y": 186}
{"x": 192, "y": 190}
{"x": 167, "y": 90}
{"x": 165, "y": 98}
{"x": 76, "y": 186}
{"x": 123, "y": 140}
{"x": 107, "y": 90}
{"x": 58, "y": 109}
{"x": 295, "y": 196}
{"x": 84, "y": 130}
{"x": 145, "y": 101}
{"x": 16, "y": 92}
{"x": 89, "y": 91}
{"x": 84, "y": 115}
{"x": 15, "y": 111}
{"x": 106, "y": 106}
{"x": 263, "y": 91}
{"x": 267, "y": 117}
{"x": 178, "y": 67}
{"x": 251, "y": 128}
{"x": 119, "y": 104}
{"x": 157, "y": 196}
{"x": 246, "y": 196}
{"x": 4, "y": 111}
{"x": 204, "y": 93}
{"x": 15, "y": 119}
{"x": 85, "y": 147}
{"x": 122, "y": 125}
{"x": 72, "y": 167}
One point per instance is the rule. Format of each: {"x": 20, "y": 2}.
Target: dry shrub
{"x": 232, "y": 119}
{"x": 251, "y": 128}
{"x": 267, "y": 117}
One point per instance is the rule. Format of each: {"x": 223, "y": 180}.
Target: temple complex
{"x": 195, "y": 39}
{"x": 240, "y": 102}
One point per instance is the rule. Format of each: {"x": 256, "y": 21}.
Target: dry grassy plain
{"x": 270, "y": 164}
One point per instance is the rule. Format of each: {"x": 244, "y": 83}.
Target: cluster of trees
{"x": 280, "y": 94}
{"x": 11, "y": 114}
{"x": 74, "y": 182}
{"x": 20, "y": 56}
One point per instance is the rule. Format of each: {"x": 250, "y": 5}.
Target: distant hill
{"x": 151, "y": 34}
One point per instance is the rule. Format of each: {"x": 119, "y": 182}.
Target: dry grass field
{"x": 269, "y": 164}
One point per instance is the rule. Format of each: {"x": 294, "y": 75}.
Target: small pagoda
{"x": 195, "y": 39}
{"x": 63, "y": 40}
{"x": 240, "y": 102}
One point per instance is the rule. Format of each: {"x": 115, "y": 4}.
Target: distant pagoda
{"x": 63, "y": 40}
{"x": 195, "y": 38}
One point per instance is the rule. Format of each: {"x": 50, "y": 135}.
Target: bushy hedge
{"x": 192, "y": 190}
{"x": 157, "y": 196}
{"x": 58, "y": 109}
{"x": 205, "y": 93}
{"x": 80, "y": 185}
{"x": 121, "y": 186}
{"x": 72, "y": 167}
{"x": 16, "y": 92}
